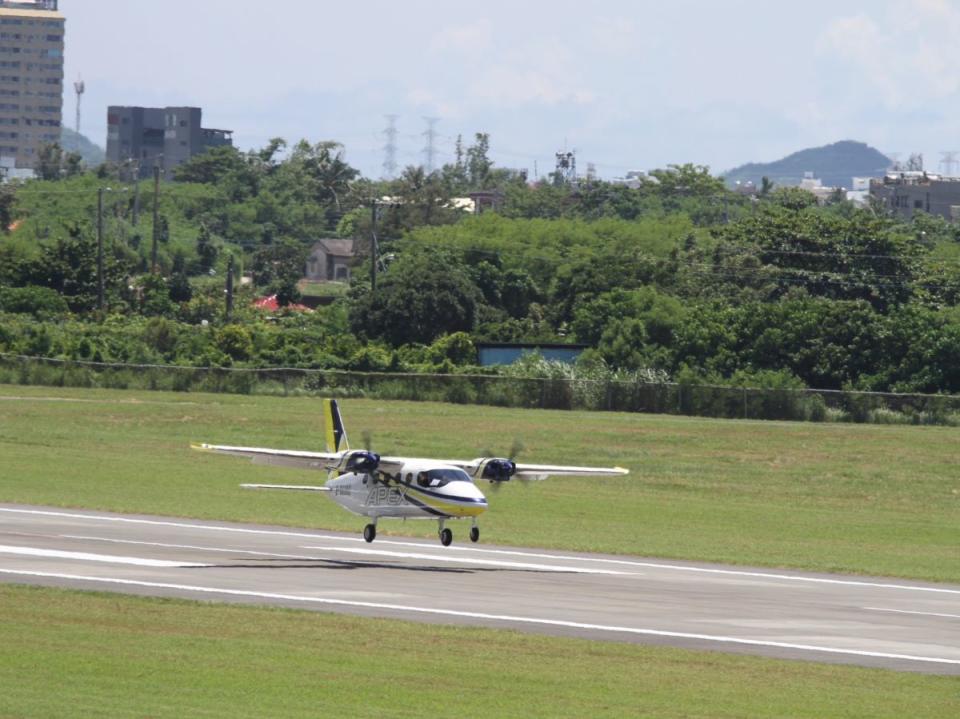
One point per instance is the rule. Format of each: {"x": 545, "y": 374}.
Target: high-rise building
{"x": 31, "y": 80}
{"x": 140, "y": 138}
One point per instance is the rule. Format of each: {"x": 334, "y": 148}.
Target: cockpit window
{"x": 440, "y": 477}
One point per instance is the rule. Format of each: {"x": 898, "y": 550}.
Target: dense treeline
{"x": 678, "y": 278}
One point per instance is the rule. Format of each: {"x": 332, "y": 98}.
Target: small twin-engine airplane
{"x": 372, "y": 486}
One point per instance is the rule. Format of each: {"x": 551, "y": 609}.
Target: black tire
{"x": 370, "y": 532}
{"x": 474, "y": 534}
{"x": 446, "y": 537}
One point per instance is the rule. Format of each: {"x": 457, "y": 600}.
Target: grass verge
{"x": 68, "y": 653}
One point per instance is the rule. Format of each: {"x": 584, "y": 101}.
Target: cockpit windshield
{"x": 440, "y": 477}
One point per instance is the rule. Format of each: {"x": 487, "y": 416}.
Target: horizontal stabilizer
{"x": 291, "y": 487}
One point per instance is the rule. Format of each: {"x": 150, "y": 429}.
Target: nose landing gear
{"x": 370, "y": 531}
{"x": 446, "y": 536}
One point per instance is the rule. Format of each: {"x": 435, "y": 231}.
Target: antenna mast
{"x": 79, "y": 87}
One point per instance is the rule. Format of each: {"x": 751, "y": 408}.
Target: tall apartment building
{"x": 141, "y": 138}
{"x": 31, "y": 80}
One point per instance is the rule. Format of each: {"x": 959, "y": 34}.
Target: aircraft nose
{"x": 472, "y": 494}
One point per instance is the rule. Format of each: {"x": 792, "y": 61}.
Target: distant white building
{"x": 634, "y": 179}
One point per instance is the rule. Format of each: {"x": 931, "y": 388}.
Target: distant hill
{"x": 835, "y": 165}
{"x": 91, "y": 153}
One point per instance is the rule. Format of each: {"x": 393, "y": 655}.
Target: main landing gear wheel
{"x": 474, "y": 534}
{"x": 370, "y": 532}
{"x": 446, "y": 537}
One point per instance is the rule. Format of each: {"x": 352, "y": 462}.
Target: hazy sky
{"x": 629, "y": 84}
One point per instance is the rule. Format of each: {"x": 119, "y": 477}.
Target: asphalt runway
{"x": 876, "y": 622}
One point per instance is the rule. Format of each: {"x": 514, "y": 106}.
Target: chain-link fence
{"x": 498, "y": 390}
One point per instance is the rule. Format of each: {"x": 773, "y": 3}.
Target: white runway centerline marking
{"x": 225, "y": 550}
{"x": 506, "y": 618}
{"x": 470, "y": 560}
{"x": 88, "y": 557}
{"x": 905, "y": 611}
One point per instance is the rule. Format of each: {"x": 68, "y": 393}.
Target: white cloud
{"x": 907, "y": 54}
{"x": 468, "y": 39}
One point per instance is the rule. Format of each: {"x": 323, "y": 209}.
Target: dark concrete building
{"x": 143, "y": 137}
{"x": 31, "y": 81}
{"x": 906, "y": 193}
{"x": 329, "y": 260}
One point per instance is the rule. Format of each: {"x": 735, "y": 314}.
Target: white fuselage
{"x": 420, "y": 491}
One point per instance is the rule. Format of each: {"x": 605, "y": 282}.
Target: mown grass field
{"x": 80, "y": 654}
{"x": 852, "y": 498}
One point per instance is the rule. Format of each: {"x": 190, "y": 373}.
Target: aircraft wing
{"x": 275, "y": 457}
{"x": 542, "y": 471}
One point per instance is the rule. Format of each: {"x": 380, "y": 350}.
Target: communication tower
{"x": 390, "y": 149}
{"x": 949, "y": 162}
{"x": 430, "y": 149}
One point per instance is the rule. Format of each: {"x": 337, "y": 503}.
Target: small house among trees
{"x": 329, "y": 260}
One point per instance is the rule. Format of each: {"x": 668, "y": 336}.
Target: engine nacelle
{"x": 498, "y": 469}
{"x": 362, "y": 462}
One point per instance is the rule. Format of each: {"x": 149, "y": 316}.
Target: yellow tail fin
{"x": 336, "y": 435}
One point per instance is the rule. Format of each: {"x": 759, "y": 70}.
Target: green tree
{"x": 422, "y": 296}
{"x": 49, "y": 164}
{"x": 69, "y": 266}
{"x": 278, "y": 268}
{"x": 687, "y": 179}
{"x": 478, "y": 161}
{"x": 212, "y": 166}
{"x": 207, "y": 251}
{"x": 8, "y": 203}
{"x": 179, "y": 287}
{"x": 325, "y": 165}
{"x": 793, "y": 198}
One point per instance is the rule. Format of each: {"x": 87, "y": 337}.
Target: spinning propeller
{"x": 498, "y": 469}
{"x": 363, "y": 461}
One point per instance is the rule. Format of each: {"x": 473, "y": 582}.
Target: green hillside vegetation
{"x": 679, "y": 279}
{"x": 834, "y": 164}
{"x": 91, "y": 152}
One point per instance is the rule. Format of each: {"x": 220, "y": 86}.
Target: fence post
{"x": 745, "y": 403}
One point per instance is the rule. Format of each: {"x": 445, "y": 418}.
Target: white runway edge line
{"x": 478, "y": 615}
{"x": 88, "y": 557}
{"x": 652, "y": 565}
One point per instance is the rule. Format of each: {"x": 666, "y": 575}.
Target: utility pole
{"x": 100, "y": 293}
{"x": 136, "y": 193}
{"x": 374, "y": 250}
{"x": 156, "y": 217}
{"x": 229, "y": 309}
